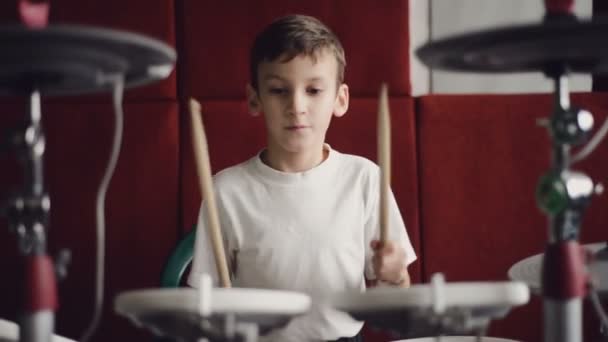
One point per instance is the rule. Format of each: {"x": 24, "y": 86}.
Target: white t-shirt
{"x": 308, "y": 232}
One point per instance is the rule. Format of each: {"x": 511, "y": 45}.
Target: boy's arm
{"x": 404, "y": 280}
{"x": 389, "y": 263}
{"x": 398, "y": 239}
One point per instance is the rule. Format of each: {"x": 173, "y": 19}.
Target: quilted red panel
{"x": 480, "y": 160}
{"x": 217, "y": 37}
{"x": 600, "y": 9}
{"x": 153, "y": 18}
{"x": 141, "y": 206}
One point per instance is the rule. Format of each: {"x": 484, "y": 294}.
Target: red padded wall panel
{"x": 600, "y": 9}
{"x": 141, "y": 207}
{"x": 217, "y": 37}
{"x": 480, "y": 160}
{"x": 153, "y": 18}
{"x": 234, "y": 136}
{"x": 10, "y": 177}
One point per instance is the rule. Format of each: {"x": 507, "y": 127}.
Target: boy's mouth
{"x": 296, "y": 127}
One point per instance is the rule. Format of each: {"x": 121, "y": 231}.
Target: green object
{"x": 179, "y": 259}
{"x": 551, "y": 194}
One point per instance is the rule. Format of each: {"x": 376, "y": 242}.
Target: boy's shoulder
{"x": 232, "y": 175}
{"x": 355, "y": 168}
{"x": 357, "y": 163}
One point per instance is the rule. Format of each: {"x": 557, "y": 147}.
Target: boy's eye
{"x": 277, "y": 90}
{"x": 314, "y": 91}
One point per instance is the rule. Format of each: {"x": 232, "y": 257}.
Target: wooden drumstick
{"x": 384, "y": 159}
{"x": 203, "y": 168}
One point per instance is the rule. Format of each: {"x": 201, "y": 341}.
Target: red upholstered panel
{"x": 480, "y": 160}
{"x": 217, "y": 37}
{"x": 153, "y": 18}
{"x": 141, "y": 207}
{"x": 600, "y": 9}
{"x": 234, "y": 136}
{"x": 10, "y": 177}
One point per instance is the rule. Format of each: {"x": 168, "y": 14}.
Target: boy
{"x": 301, "y": 216}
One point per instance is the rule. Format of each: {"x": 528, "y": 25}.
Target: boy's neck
{"x": 294, "y": 162}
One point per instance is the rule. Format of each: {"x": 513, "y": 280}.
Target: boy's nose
{"x": 297, "y": 104}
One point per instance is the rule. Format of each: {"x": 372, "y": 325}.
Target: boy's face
{"x": 298, "y": 99}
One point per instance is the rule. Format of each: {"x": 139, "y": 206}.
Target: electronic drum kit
{"x": 45, "y": 60}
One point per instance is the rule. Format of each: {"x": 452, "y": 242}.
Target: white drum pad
{"x": 457, "y": 339}
{"x": 423, "y": 310}
{"x": 177, "y": 312}
{"x": 529, "y": 269}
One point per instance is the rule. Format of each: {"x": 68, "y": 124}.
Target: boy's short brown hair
{"x": 291, "y": 36}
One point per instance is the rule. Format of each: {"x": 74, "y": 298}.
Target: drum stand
{"x": 74, "y": 60}
{"x": 230, "y": 329}
{"x": 563, "y": 194}
{"x": 558, "y": 45}
{"x": 457, "y": 320}
{"x": 28, "y": 213}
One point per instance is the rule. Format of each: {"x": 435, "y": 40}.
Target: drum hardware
{"x": 230, "y": 329}
{"x": 457, "y": 339}
{"x": 438, "y": 308}
{"x": 597, "y": 284}
{"x": 559, "y": 45}
{"x": 9, "y": 332}
{"x": 529, "y": 271}
{"x": 76, "y": 60}
{"x": 28, "y": 213}
{"x": 215, "y": 314}
{"x": 572, "y": 194}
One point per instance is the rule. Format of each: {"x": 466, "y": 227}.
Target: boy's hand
{"x": 389, "y": 263}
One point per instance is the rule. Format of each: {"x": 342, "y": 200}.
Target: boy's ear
{"x": 341, "y": 104}
{"x": 253, "y": 101}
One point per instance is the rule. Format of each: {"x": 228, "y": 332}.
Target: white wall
{"x": 419, "y": 34}
{"x": 450, "y": 17}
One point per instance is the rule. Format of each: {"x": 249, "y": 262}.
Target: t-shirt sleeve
{"x": 396, "y": 226}
{"x": 203, "y": 259}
